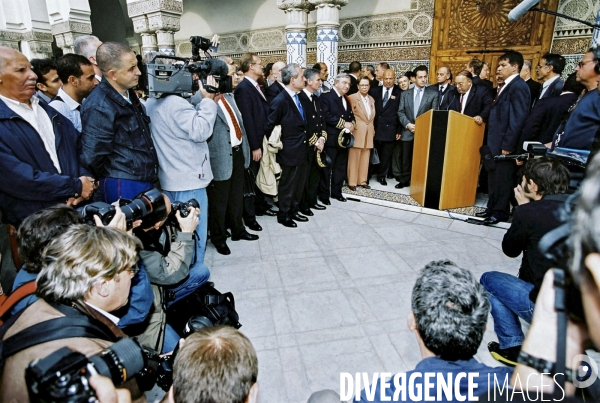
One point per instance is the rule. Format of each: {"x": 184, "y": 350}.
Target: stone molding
{"x": 142, "y": 7}
{"x": 582, "y": 9}
{"x": 71, "y": 26}
{"x": 294, "y": 4}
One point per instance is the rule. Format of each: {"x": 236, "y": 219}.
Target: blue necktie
{"x": 297, "y": 98}
{"x": 418, "y": 101}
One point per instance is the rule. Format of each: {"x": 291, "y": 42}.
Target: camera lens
{"x": 119, "y": 360}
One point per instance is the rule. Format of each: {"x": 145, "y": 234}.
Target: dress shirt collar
{"x": 70, "y": 102}
{"x": 291, "y": 92}
{"x": 254, "y": 83}
{"x": 509, "y": 79}
{"x": 8, "y": 101}
{"x": 549, "y": 81}
{"x": 337, "y": 92}
{"x": 109, "y": 316}
{"x": 308, "y": 93}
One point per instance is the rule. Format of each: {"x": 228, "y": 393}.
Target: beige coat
{"x": 365, "y": 129}
{"x": 269, "y": 172}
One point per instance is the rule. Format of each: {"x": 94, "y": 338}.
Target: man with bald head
{"x": 443, "y": 88}
{"x": 39, "y": 157}
{"x": 116, "y": 142}
{"x": 274, "y": 89}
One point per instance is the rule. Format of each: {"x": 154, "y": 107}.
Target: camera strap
{"x": 561, "y": 340}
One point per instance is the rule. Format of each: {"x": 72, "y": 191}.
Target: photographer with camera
{"x": 180, "y": 129}
{"x": 168, "y": 256}
{"x": 540, "y": 196}
{"x": 86, "y": 274}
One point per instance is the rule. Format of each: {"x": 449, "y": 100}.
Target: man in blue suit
{"x": 508, "y": 115}
{"x": 286, "y": 110}
{"x": 254, "y": 108}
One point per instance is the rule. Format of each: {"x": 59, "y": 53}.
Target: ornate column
{"x": 328, "y": 22}
{"x": 296, "y": 14}
{"x": 69, "y": 19}
{"x": 156, "y": 22}
{"x": 596, "y": 34}
{"x": 25, "y": 26}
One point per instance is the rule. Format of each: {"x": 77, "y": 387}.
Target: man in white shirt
{"x": 78, "y": 77}
{"x": 548, "y": 72}
{"x": 443, "y": 87}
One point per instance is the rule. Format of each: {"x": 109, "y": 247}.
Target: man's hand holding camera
{"x": 188, "y": 224}
{"x": 520, "y": 195}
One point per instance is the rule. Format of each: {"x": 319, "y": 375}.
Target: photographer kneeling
{"x": 168, "y": 256}
{"x": 86, "y": 274}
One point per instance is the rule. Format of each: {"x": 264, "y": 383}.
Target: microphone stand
{"x": 589, "y": 24}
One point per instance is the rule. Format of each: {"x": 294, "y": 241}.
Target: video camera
{"x": 177, "y": 78}
{"x": 63, "y": 376}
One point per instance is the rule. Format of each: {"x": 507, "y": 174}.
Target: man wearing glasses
{"x": 584, "y": 120}
{"x": 469, "y": 99}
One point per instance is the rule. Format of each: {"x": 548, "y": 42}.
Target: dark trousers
{"x": 384, "y": 150}
{"x": 257, "y": 203}
{"x": 309, "y": 196}
{"x": 406, "y": 156}
{"x": 291, "y": 187}
{"x": 225, "y": 202}
{"x": 333, "y": 177}
{"x": 501, "y": 189}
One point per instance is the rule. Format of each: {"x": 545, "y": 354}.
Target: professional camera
{"x": 63, "y": 376}
{"x": 148, "y": 206}
{"x": 105, "y": 211}
{"x": 183, "y": 207}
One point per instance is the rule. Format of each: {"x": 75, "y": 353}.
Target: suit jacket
{"x": 374, "y": 83}
{"x": 446, "y": 95}
{"x": 406, "y": 112}
{"x": 478, "y": 103}
{"x": 534, "y": 88}
{"x": 284, "y": 112}
{"x": 255, "y": 111}
{"x": 508, "y": 116}
{"x": 386, "y": 117}
{"x": 315, "y": 123}
{"x": 219, "y": 144}
{"x": 545, "y": 117}
{"x": 353, "y": 85}
{"x": 365, "y": 130}
{"x": 273, "y": 90}
{"x": 485, "y": 84}
{"x": 335, "y": 115}
{"x": 554, "y": 89}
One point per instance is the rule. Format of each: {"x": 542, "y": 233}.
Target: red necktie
{"x": 461, "y": 99}
{"x": 236, "y": 126}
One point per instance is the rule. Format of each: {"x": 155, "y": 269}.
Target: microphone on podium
{"x": 520, "y": 10}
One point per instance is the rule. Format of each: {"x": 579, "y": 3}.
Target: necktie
{"x": 498, "y": 90}
{"x": 386, "y": 96}
{"x": 78, "y": 109}
{"x": 440, "y": 95}
{"x": 236, "y": 126}
{"x": 418, "y": 101}
{"x": 461, "y": 99}
{"x": 260, "y": 92}
{"x": 297, "y": 98}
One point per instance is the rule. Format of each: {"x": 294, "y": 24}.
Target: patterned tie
{"x": 386, "y": 96}
{"x": 260, "y": 92}
{"x": 498, "y": 90}
{"x": 236, "y": 126}
{"x": 297, "y": 98}
{"x": 418, "y": 101}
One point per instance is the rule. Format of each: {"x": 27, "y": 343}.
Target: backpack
{"x": 204, "y": 303}
{"x": 8, "y": 301}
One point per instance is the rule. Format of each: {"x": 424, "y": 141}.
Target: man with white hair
{"x": 274, "y": 89}
{"x": 86, "y": 46}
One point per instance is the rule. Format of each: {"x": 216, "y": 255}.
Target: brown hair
{"x": 246, "y": 60}
{"x": 215, "y": 365}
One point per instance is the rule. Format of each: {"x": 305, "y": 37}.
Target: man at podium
{"x": 469, "y": 99}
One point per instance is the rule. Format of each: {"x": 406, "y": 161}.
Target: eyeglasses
{"x": 583, "y": 63}
{"x": 134, "y": 269}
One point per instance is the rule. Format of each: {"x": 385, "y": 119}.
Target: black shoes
{"x": 269, "y": 213}
{"x": 246, "y": 236}
{"x": 223, "y": 249}
{"x": 483, "y": 214}
{"x": 307, "y": 212}
{"x": 254, "y": 226}
{"x": 491, "y": 220}
{"x": 325, "y": 202}
{"x": 299, "y": 217}
{"x": 401, "y": 185}
{"x": 319, "y": 207}
{"x": 382, "y": 181}
{"x": 288, "y": 222}
{"x": 506, "y": 356}
{"x": 340, "y": 198}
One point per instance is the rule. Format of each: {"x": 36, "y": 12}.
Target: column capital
{"x": 140, "y": 7}
{"x": 330, "y": 3}
{"x": 288, "y": 5}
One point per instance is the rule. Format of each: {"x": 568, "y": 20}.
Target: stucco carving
{"x": 289, "y": 4}
{"x": 163, "y": 22}
{"x": 72, "y": 26}
{"x": 147, "y": 6}
{"x": 340, "y": 3}
{"x": 581, "y": 9}
{"x": 571, "y": 46}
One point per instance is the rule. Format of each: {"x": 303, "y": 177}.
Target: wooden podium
{"x": 446, "y": 159}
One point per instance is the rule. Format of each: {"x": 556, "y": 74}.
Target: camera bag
{"x": 208, "y": 302}
{"x": 7, "y": 302}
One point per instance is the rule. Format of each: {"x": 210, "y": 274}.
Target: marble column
{"x": 69, "y": 19}
{"x": 328, "y": 23}
{"x": 296, "y": 14}
{"x": 25, "y": 26}
{"x": 156, "y": 22}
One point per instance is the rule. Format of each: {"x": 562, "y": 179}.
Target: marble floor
{"x": 333, "y": 294}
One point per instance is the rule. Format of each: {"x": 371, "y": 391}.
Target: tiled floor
{"x": 333, "y": 294}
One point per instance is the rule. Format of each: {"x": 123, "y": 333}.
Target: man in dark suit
{"x": 276, "y": 87}
{"x": 287, "y": 110}
{"x": 508, "y": 115}
{"x": 354, "y": 73}
{"x": 548, "y": 72}
{"x": 315, "y": 136}
{"x": 534, "y": 86}
{"x": 254, "y": 109}
{"x": 387, "y": 126}
{"x": 338, "y": 115}
{"x": 369, "y": 72}
{"x": 413, "y": 103}
{"x": 443, "y": 88}
{"x": 475, "y": 67}
{"x": 469, "y": 99}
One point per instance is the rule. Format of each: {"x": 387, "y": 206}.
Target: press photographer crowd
{"x": 118, "y": 169}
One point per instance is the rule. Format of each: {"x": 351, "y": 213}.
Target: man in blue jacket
{"x": 38, "y": 147}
